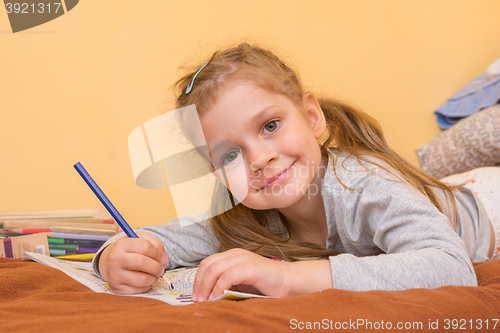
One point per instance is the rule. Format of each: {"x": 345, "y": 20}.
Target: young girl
{"x": 374, "y": 220}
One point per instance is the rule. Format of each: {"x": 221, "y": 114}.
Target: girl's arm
{"x": 419, "y": 248}
{"x": 310, "y": 276}
{"x": 245, "y": 271}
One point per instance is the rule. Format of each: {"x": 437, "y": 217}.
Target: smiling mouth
{"x": 277, "y": 179}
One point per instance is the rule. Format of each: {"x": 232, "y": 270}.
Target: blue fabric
{"x": 480, "y": 93}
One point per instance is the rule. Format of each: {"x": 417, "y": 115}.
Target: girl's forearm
{"x": 310, "y": 276}
{"x": 103, "y": 262}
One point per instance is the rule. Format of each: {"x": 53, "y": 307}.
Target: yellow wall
{"x": 74, "y": 88}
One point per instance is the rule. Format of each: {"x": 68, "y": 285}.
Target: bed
{"x": 38, "y": 298}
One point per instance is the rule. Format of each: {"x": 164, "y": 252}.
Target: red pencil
{"x": 29, "y": 231}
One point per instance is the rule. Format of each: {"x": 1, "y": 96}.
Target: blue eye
{"x": 271, "y": 126}
{"x": 230, "y": 156}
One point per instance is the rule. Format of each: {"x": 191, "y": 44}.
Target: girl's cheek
{"x": 238, "y": 179}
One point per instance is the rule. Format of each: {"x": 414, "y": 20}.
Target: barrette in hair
{"x": 188, "y": 90}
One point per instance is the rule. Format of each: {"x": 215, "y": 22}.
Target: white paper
{"x": 181, "y": 278}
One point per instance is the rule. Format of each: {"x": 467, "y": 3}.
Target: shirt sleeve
{"x": 418, "y": 245}
{"x": 185, "y": 245}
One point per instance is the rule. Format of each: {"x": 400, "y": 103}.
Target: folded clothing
{"x": 480, "y": 93}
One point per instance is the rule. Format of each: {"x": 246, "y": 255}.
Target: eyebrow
{"x": 263, "y": 113}
{"x": 215, "y": 147}
{"x": 257, "y": 118}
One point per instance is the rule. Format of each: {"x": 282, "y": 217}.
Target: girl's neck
{"x": 308, "y": 229}
{"x": 306, "y": 219}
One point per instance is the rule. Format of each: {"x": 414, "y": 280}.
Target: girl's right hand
{"x": 133, "y": 265}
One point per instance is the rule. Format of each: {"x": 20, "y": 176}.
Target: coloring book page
{"x": 182, "y": 279}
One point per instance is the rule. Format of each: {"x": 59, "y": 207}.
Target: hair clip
{"x": 194, "y": 77}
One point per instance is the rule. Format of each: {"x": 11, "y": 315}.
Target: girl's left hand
{"x": 242, "y": 270}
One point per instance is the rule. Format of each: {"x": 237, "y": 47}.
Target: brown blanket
{"x": 38, "y": 298}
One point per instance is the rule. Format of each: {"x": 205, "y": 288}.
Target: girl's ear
{"x": 315, "y": 115}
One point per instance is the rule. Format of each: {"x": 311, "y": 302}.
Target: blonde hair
{"x": 349, "y": 130}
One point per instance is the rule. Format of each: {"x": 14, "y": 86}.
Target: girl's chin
{"x": 265, "y": 203}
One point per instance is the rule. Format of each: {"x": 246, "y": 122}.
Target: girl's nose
{"x": 260, "y": 157}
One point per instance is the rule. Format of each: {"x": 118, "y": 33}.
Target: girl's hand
{"x": 241, "y": 270}
{"x": 133, "y": 265}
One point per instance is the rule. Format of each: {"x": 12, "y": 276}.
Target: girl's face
{"x": 270, "y": 139}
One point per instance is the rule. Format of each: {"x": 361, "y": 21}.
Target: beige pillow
{"x": 471, "y": 143}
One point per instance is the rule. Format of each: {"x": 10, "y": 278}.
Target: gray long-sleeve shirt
{"x": 390, "y": 236}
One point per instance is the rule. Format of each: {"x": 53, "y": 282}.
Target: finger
{"x": 124, "y": 289}
{"x": 162, "y": 254}
{"x": 213, "y": 274}
{"x": 204, "y": 264}
{"x": 141, "y": 246}
{"x": 133, "y": 282}
{"x": 142, "y": 263}
{"x": 237, "y": 275}
{"x": 138, "y": 279}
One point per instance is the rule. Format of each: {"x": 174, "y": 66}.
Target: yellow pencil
{"x": 84, "y": 256}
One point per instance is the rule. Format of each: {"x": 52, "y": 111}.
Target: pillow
{"x": 471, "y": 143}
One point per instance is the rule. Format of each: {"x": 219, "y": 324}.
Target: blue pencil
{"x": 111, "y": 209}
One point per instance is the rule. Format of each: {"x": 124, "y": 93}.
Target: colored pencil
{"x": 88, "y": 231}
{"x": 85, "y": 256}
{"x": 73, "y": 230}
{"x": 88, "y": 223}
{"x": 78, "y": 236}
{"x": 111, "y": 208}
{"x": 57, "y": 252}
{"x": 8, "y": 233}
{"x": 75, "y": 249}
{"x": 29, "y": 231}
{"x": 63, "y": 246}
{"x": 75, "y": 241}
{"x": 92, "y": 213}
{"x": 81, "y": 250}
